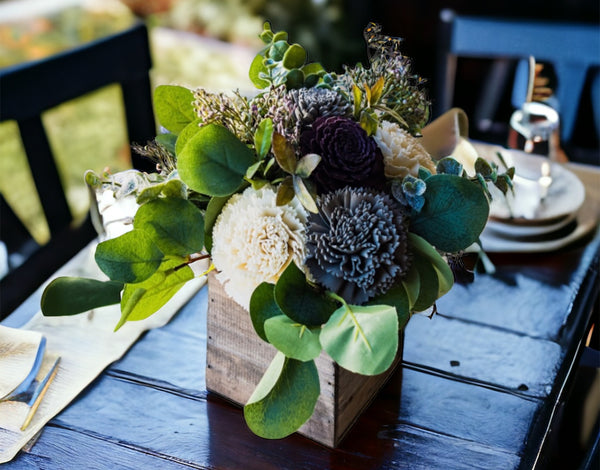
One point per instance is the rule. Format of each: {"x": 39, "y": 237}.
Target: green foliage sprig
{"x": 217, "y": 148}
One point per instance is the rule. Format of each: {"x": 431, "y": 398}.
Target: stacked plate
{"x": 546, "y": 211}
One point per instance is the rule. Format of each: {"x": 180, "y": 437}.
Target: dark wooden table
{"x": 482, "y": 385}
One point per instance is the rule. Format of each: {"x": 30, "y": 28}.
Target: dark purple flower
{"x": 357, "y": 246}
{"x": 349, "y": 157}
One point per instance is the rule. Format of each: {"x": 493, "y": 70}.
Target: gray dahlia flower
{"x": 357, "y": 245}
{"x": 310, "y": 103}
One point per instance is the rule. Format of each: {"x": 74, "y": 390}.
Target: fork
{"x": 27, "y": 381}
{"x": 30, "y": 390}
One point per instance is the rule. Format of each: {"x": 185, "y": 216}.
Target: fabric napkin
{"x": 18, "y": 349}
{"x": 86, "y": 343}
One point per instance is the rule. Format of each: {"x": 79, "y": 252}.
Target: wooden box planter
{"x": 237, "y": 359}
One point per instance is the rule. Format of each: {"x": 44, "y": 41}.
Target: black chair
{"x": 571, "y": 50}
{"x": 29, "y": 89}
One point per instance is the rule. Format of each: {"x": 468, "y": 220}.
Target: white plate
{"x": 502, "y": 228}
{"x": 565, "y": 195}
{"x": 587, "y": 220}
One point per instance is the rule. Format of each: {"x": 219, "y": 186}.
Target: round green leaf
{"x": 412, "y": 284}
{"x": 284, "y": 399}
{"x": 167, "y": 141}
{"x": 396, "y": 297}
{"x": 293, "y": 339}
{"x": 278, "y": 49}
{"x": 294, "y": 57}
{"x": 263, "y": 307}
{"x": 72, "y": 295}
{"x": 445, "y": 275}
{"x": 454, "y": 214}
{"x": 186, "y": 134}
{"x": 294, "y": 79}
{"x": 173, "y": 107}
{"x": 301, "y": 302}
{"x": 429, "y": 283}
{"x": 214, "y": 161}
{"x": 145, "y": 298}
{"x": 362, "y": 339}
{"x": 213, "y": 209}
{"x": 175, "y": 225}
{"x": 131, "y": 257}
{"x": 257, "y": 69}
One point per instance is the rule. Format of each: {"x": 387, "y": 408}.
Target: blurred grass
{"x": 87, "y": 133}
{"x": 90, "y": 132}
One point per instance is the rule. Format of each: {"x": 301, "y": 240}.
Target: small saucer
{"x": 525, "y": 207}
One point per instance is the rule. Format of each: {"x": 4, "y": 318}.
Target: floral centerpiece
{"x": 321, "y": 211}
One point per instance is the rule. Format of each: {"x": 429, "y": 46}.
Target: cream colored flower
{"x": 403, "y": 154}
{"x": 254, "y": 240}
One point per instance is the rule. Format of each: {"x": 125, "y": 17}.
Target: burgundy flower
{"x": 349, "y": 157}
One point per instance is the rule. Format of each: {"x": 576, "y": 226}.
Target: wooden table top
{"x": 480, "y": 386}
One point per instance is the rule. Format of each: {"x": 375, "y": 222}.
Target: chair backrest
{"x": 573, "y": 49}
{"x": 29, "y": 89}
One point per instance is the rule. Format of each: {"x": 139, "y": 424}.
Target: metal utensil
{"x": 31, "y": 391}
{"x": 30, "y": 378}
{"x": 38, "y": 394}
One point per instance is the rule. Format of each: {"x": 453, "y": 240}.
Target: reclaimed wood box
{"x": 237, "y": 359}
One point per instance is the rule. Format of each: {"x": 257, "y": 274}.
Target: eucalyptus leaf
{"x": 445, "y": 275}
{"x": 174, "y": 188}
{"x": 214, "y": 161}
{"x": 284, "y": 399}
{"x": 450, "y": 166}
{"x": 412, "y": 284}
{"x": 175, "y": 225}
{"x": 429, "y": 283}
{"x": 173, "y": 107}
{"x": 213, "y": 209}
{"x": 484, "y": 168}
{"x": 167, "y": 140}
{"x": 314, "y": 68}
{"x": 257, "y": 70}
{"x": 396, "y": 297}
{"x": 294, "y": 57}
{"x": 148, "y": 194}
{"x": 301, "y": 302}
{"x": 72, "y": 295}
{"x": 362, "y": 339}
{"x": 278, "y": 49}
{"x": 131, "y": 257}
{"x": 454, "y": 214}
{"x": 293, "y": 339}
{"x": 263, "y": 307}
{"x": 294, "y": 79}
{"x": 145, "y": 298}
{"x": 186, "y": 134}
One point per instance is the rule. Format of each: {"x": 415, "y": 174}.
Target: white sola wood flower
{"x": 254, "y": 240}
{"x": 403, "y": 154}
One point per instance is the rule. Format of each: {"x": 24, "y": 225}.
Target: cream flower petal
{"x": 403, "y": 154}
{"x": 254, "y": 240}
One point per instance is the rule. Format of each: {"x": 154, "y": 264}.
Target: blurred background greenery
{"x": 207, "y": 43}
